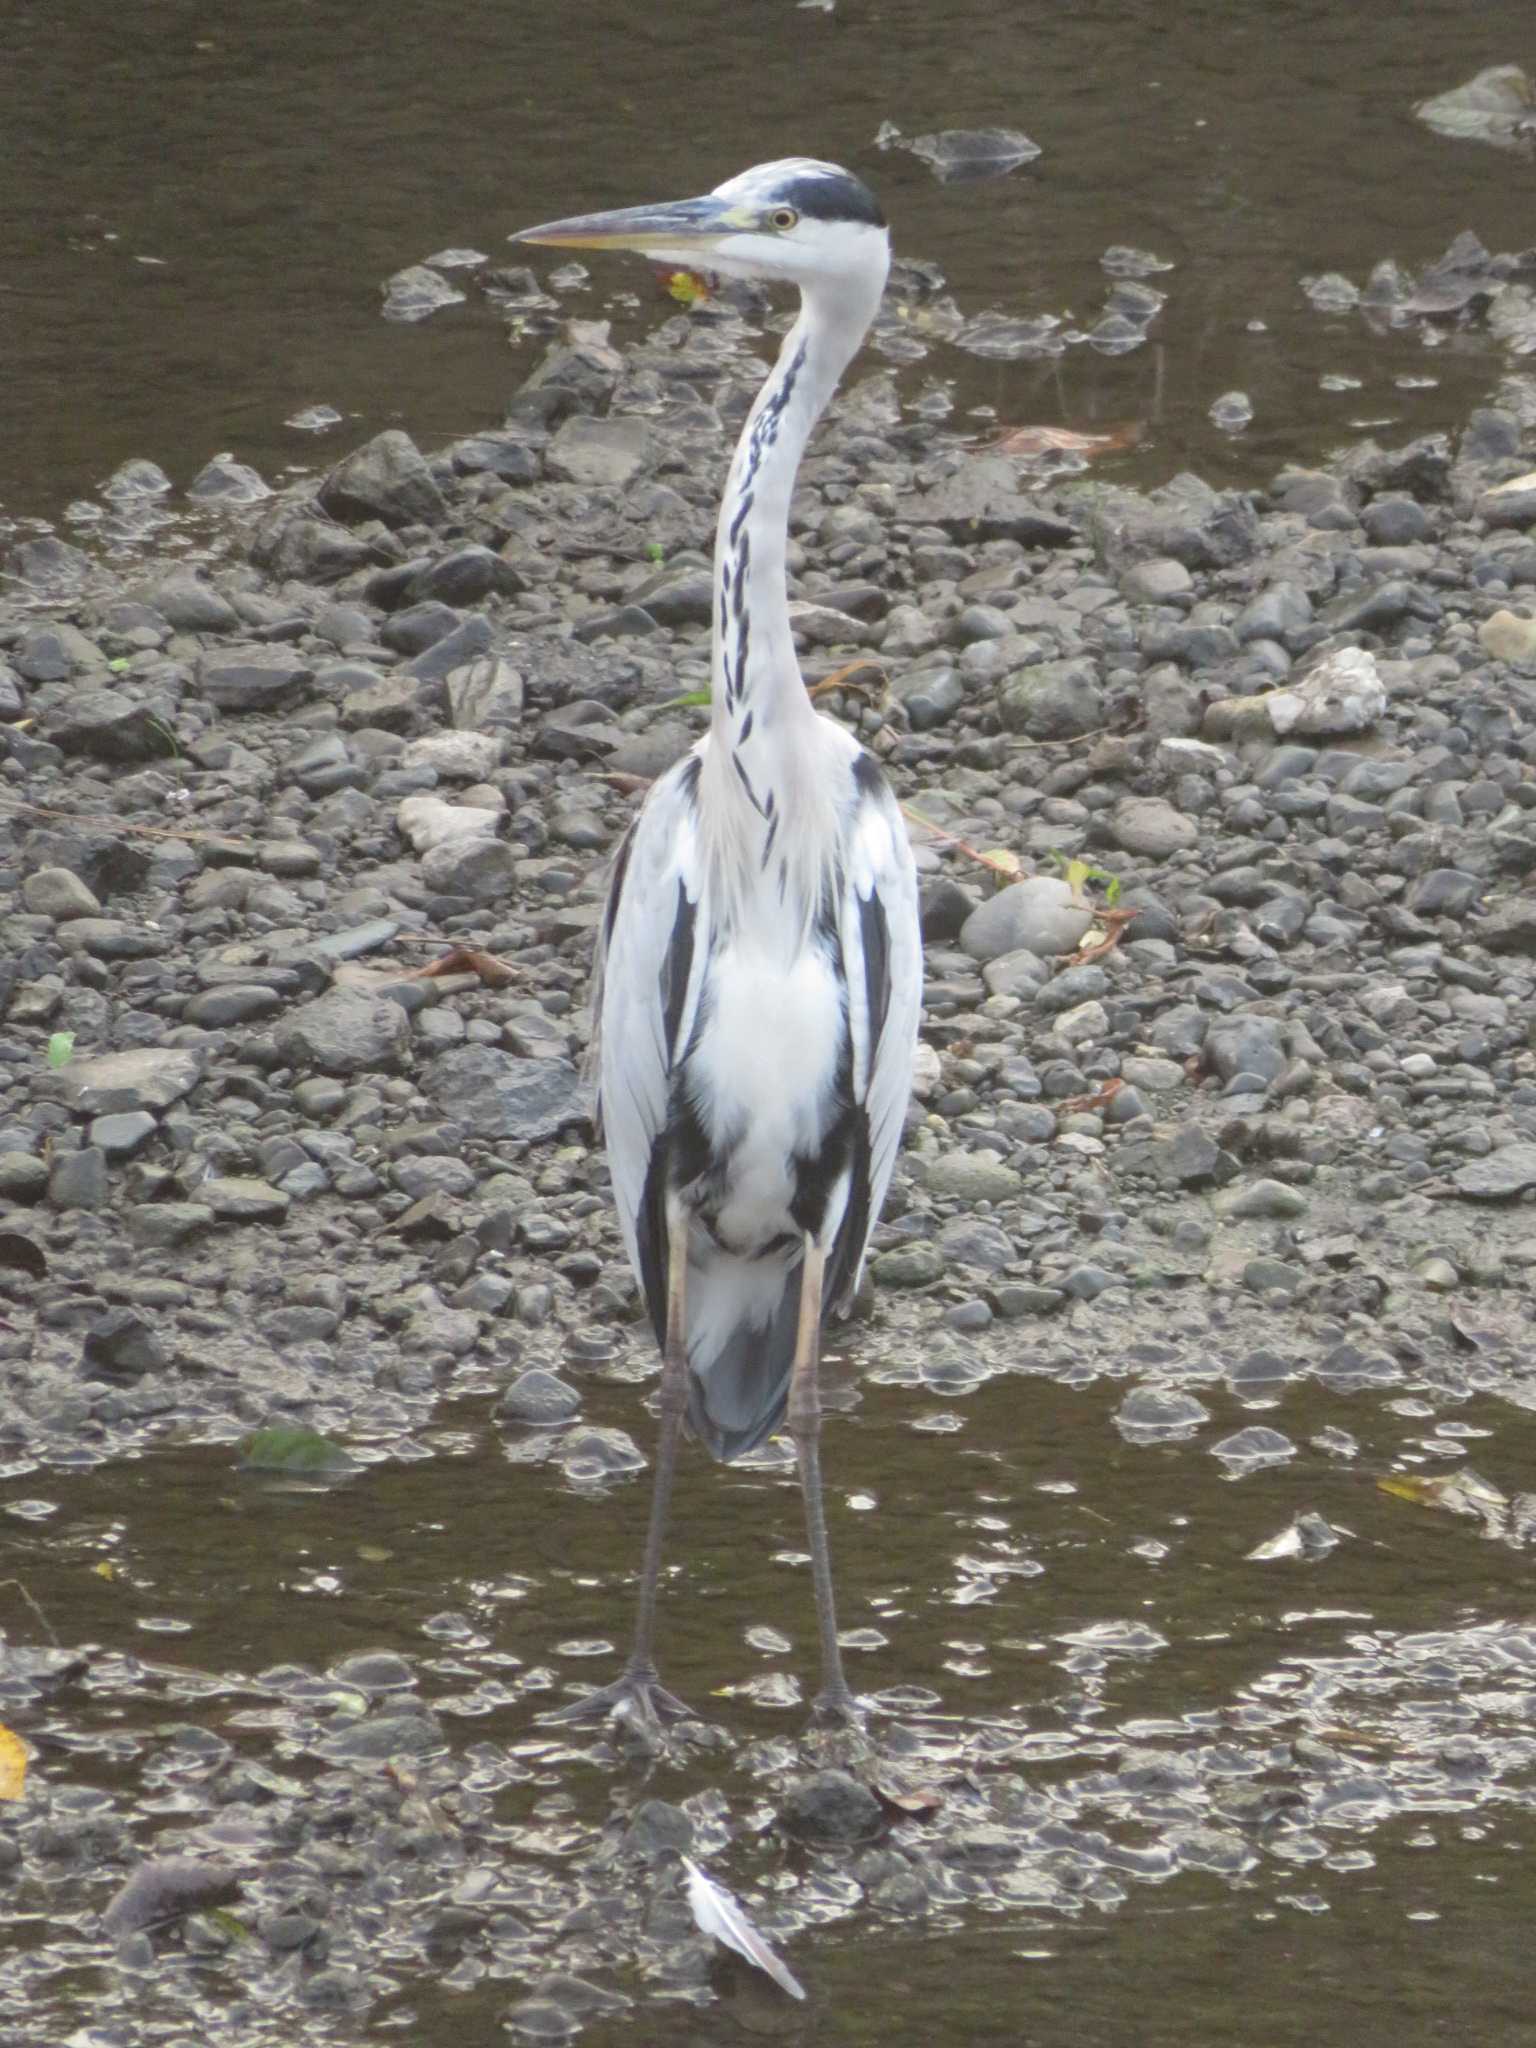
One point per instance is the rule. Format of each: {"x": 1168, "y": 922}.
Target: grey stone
{"x": 56, "y": 893}
{"x": 1148, "y": 825}
{"x": 539, "y": 1397}
{"x": 1039, "y": 916}
{"x": 120, "y": 1136}
{"x": 832, "y": 1807}
{"x": 1152, "y": 1415}
{"x": 234, "y": 1198}
{"x": 53, "y": 653}
{"x": 599, "y": 451}
{"x": 465, "y": 644}
{"x": 218, "y": 1009}
{"x": 251, "y": 678}
{"x": 125, "y": 1343}
{"x": 1188, "y": 1159}
{"x": 458, "y": 756}
{"x": 1510, "y": 926}
{"x": 1053, "y": 700}
{"x": 1158, "y": 580}
{"x": 78, "y": 1180}
{"x": 1265, "y": 1198}
{"x": 345, "y": 1032}
{"x": 386, "y": 479}
{"x": 498, "y": 1095}
{"x": 23, "y": 1177}
{"x": 1508, "y": 637}
{"x": 1445, "y": 892}
{"x": 1502, "y": 1175}
{"x": 161, "y": 1226}
{"x": 982, "y": 501}
{"x": 480, "y": 868}
{"x": 678, "y": 597}
{"x": 110, "y": 727}
{"x": 1246, "y": 1045}
{"x": 232, "y": 483}
{"x": 484, "y": 695}
{"x": 1249, "y": 1449}
{"x": 189, "y": 604}
{"x": 907, "y": 1265}
{"x": 379, "y": 1737}
{"x": 587, "y": 1454}
{"x": 109, "y": 1084}
{"x": 972, "y": 1177}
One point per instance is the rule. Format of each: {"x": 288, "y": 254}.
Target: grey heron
{"x": 760, "y": 964}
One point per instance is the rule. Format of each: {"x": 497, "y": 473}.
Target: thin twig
{"x": 37, "y": 1613}
{"x": 17, "y": 805}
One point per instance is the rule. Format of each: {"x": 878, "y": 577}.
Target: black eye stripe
{"x": 832, "y": 196}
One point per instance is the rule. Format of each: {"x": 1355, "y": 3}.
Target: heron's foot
{"x": 838, "y": 1725}
{"x": 636, "y": 1699}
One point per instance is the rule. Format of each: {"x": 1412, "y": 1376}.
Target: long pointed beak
{"x": 688, "y": 224}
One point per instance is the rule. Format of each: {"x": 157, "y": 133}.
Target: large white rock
{"x": 1343, "y": 694}
{"x": 428, "y": 821}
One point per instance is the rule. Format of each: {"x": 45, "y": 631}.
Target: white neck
{"x": 756, "y": 674}
{"x": 771, "y": 812}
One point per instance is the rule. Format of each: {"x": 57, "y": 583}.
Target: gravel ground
{"x": 1242, "y": 1062}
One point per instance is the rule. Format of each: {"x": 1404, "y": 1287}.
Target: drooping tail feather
{"x": 743, "y": 1315}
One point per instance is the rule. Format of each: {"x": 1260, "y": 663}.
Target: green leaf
{"x": 61, "y": 1048}
{"x": 655, "y": 552}
{"x": 694, "y": 698}
{"x": 301, "y": 1453}
{"x": 117, "y": 667}
{"x": 231, "y": 1923}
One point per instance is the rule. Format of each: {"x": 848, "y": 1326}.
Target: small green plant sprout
{"x": 61, "y": 1048}
{"x": 655, "y": 552}
{"x": 1079, "y": 873}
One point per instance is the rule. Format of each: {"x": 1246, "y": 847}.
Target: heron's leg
{"x": 637, "y": 1692}
{"x": 834, "y": 1702}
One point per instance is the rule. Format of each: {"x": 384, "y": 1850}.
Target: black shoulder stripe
{"x": 676, "y": 970}
{"x": 616, "y": 881}
{"x": 875, "y": 938}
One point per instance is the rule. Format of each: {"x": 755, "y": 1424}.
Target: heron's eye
{"x": 783, "y": 218}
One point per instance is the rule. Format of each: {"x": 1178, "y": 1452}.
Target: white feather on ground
{"x": 717, "y": 1914}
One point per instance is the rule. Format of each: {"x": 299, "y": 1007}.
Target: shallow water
{"x": 202, "y": 205}
{"x": 1105, "y": 1669}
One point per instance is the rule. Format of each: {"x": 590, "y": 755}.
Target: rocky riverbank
{"x": 1229, "y": 1071}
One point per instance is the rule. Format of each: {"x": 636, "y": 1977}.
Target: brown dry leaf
{"x": 908, "y": 1802}
{"x": 1063, "y": 441}
{"x": 493, "y": 972}
{"x": 874, "y": 693}
{"x": 13, "y": 1765}
{"x": 625, "y": 783}
{"x": 1103, "y": 936}
{"x": 1101, "y": 1098}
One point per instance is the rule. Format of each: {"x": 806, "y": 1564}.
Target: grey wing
{"x": 883, "y": 962}
{"x": 649, "y": 968}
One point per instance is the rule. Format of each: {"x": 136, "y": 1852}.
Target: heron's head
{"x": 792, "y": 222}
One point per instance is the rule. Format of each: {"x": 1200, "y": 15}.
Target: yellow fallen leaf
{"x": 105, "y": 1570}
{"x": 13, "y": 1765}
{"x": 687, "y": 287}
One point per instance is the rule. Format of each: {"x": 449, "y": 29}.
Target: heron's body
{"x": 760, "y": 964}
{"x": 753, "y": 1067}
